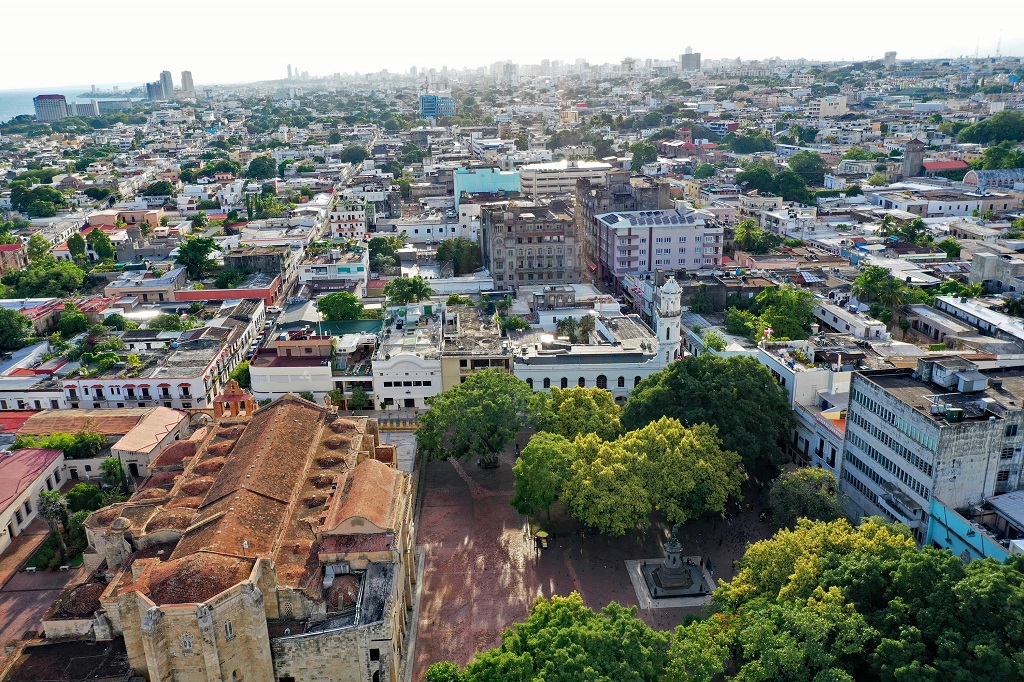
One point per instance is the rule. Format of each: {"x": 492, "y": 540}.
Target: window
{"x": 374, "y": 654}
{"x": 1003, "y": 476}
{"x": 186, "y": 643}
{"x": 636, "y": 381}
{"x": 565, "y": 382}
{"x": 1011, "y": 430}
{"x": 88, "y": 468}
{"x": 547, "y": 382}
{"x": 229, "y": 631}
{"x": 602, "y": 381}
{"x": 17, "y": 515}
{"x": 1006, "y": 453}
{"x": 529, "y": 382}
{"x": 28, "y": 507}
{"x": 622, "y": 382}
{"x": 582, "y": 382}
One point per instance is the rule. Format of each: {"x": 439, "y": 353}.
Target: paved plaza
{"x": 483, "y": 570}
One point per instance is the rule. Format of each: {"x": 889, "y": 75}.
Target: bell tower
{"x": 669, "y": 315}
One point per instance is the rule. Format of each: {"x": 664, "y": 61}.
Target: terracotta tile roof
{"x": 150, "y": 430}
{"x": 12, "y": 420}
{"x": 174, "y": 454}
{"x": 372, "y": 493}
{"x": 20, "y": 468}
{"x": 945, "y": 165}
{"x": 194, "y": 578}
{"x": 115, "y": 422}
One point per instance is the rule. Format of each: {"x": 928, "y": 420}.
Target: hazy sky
{"x": 64, "y": 42}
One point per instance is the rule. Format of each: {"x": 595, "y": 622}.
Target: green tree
{"x": 564, "y": 640}
{"x": 476, "y": 418}
{"x": 810, "y": 493}
{"x": 809, "y": 166}
{"x": 643, "y": 153}
{"x": 194, "y": 255}
{"x": 874, "y": 284}
{"x": 112, "y": 474}
{"x": 756, "y": 177}
{"x": 168, "y": 322}
{"x": 340, "y": 306}
{"x": 541, "y": 471}
{"x": 261, "y": 168}
{"x": 160, "y": 188}
{"x": 950, "y": 246}
{"x": 443, "y": 671}
{"x": 359, "y": 398}
{"x": 334, "y": 137}
{"x": 704, "y": 170}
{"x": 877, "y": 180}
{"x": 790, "y": 187}
{"x": 46, "y": 278}
{"x": 72, "y": 321}
{"x": 54, "y": 508}
{"x": 462, "y": 253}
{"x": 577, "y": 411}
{"x": 14, "y": 329}
{"x": 85, "y": 497}
{"x": 39, "y": 249}
{"x": 404, "y": 290}
{"x": 76, "y": 246}
{"x": 100, "y": 243}
{"x": 1006, "y": 125}
{"x": 722, "y": 392}
{"x": 241, "y": 375}
{"x": 353, "y": 154}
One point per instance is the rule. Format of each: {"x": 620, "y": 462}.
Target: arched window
{"x": 582, "y": 382}
{"x": 602, "y": 381}
{"x": 565, "y": 382}
{"x": 636, "y": 381}
{"x": 186, "y": 642}
{"x": 668, "y": 334}
{"x": 622, "y": 382}
{"x": 529, "y": 382}
{"x": 229, "y": 630}
{"x": 547, "y": 382}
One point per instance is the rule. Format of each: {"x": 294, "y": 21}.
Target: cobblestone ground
{"x": 483, "y": 572}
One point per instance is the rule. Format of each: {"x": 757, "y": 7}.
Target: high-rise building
{"x": 527, "y": 244}
{"x": 289, "y": 72}
{"x": 155, "y": 91}
{"x": 889, "y": 59}
{"x": 187, "y": 86}
{"x": 689, "y": 60}
{"x": 436, "y": 106}
{"x": 167, "y": 82}
{"x": 51, "y": 107}
{"x": 90, "y": 108}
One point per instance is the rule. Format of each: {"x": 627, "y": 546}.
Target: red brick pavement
{"x": 482, "y": 572}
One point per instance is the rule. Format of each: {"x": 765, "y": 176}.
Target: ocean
{"x": 16, "y": 102}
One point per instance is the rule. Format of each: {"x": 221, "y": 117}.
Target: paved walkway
{"x": 22, "y": 548}
{"x": 483, "y": 570}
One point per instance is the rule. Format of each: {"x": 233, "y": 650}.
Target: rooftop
{"x": 20, "y": 468}
{"x": 474, "y": 332}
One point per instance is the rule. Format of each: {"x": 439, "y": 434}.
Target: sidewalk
{"x": 22, "y": 548}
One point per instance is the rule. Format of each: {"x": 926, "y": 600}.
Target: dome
{"x": 671, "y": 286}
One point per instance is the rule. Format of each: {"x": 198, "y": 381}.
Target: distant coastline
{"x": 17, "y": 102}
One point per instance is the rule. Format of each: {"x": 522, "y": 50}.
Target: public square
{"x": 483, "y": 569}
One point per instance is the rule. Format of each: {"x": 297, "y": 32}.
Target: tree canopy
{"x": 476, "y": 418}
{"x": 14, "y": 329}
{"x": 194, "y": 255}
{"x": 340, "y": 306}
{"x": 1002, "y": 126}
{"x": 823, "y": 602}
{"x": 810, "y": 493}
{"x": 404, "y": 290}
{"x": 723, "y": 392}
{"x": 261, "y": 168}
{"x": 809, "y": 166}
{"x": 577, "y": 411}
{"x": 462, "y": 253}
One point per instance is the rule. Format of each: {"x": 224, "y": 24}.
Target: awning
{"x": 163, "y": 385}
{"x": 592, "y": 266}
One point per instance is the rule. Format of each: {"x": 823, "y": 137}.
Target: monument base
{"x": 657, "y": 586}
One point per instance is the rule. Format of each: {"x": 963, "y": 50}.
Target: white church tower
{"x": 669, "y": 316}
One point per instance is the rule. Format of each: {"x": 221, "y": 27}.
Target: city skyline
{"x": 757, "y": 33}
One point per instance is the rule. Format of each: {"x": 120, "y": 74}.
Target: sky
{"x": 124, "y": 41}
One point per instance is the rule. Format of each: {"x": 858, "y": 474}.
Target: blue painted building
{"x": 484, "y": 181}
{"x": 988, "y": 535}
{"x": 436, "y": 106}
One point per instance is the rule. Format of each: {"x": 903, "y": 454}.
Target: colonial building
{"x": 526, "y": 244}
{"x": 276, "y": 546}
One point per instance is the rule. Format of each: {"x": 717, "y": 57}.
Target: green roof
{"x": 349, "y": 327}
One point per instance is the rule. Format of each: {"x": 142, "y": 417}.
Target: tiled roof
{"x": 107, "y": 422}
{"x": 19, "y": 470}
{"x": 371, "y": 493}
{"x": 196, "y": 577}
{"x": 150, "y": 430}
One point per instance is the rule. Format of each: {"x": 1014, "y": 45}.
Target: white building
{"x": 621, "y": 352}
{"x": 350, "y": 219}
{"x": 827, "y": 107}
{"x": 560, "y": 177}
{"x": 847, "y": 322}
{"x": 23, "y": 475}
{"x": 407, "y": 363}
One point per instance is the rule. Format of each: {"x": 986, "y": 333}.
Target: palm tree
{"x": 419, "y": 289}
{"x": 887, "y": 226}
{"x": 890, "y": 293}
{"x": 745, "y": 232}
{"x": 568, "y": 326}
{"x": 53, "y": 507}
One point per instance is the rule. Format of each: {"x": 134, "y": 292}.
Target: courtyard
{"x": 483, "y": 569}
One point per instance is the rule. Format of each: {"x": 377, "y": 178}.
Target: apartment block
{"x": 525, "y": 243}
